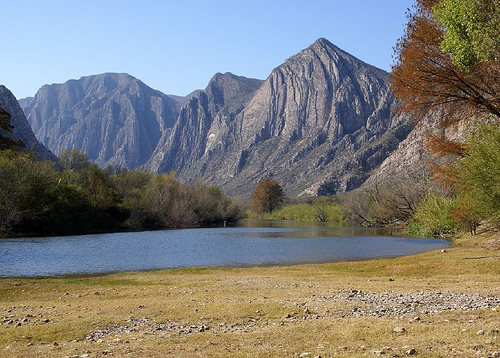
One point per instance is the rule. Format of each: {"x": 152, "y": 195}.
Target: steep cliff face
{"x": 203, "y": 123}
{"x": 21, "y": 129}
{"x": 319, "y": 124}
{"x": 114, "y": 118}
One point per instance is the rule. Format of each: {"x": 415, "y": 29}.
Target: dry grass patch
{"x": 249, "y": 312}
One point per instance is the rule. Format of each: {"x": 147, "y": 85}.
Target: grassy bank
{"x": 257, "y": 312}
{"x": 321, "y": 210}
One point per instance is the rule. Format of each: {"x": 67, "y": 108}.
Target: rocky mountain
{"x": 114, "y": 118}
{"x": 207, "y": 115}
{"x": 21, "y": 129}
{"x": 25, "y": 102}
{"x": 319, "y": 124}
{"x": 323, "y": 122}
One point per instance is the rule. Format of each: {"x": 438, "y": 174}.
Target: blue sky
{"x": 177, "y": 46}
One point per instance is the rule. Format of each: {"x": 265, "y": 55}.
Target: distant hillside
{"x": 21, "y": 129}
{"x": 114, "y": 118}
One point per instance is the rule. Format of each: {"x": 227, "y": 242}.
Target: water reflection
{"x": 250, "y": 245}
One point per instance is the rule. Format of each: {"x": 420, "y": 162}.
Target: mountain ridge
{"x": 113, "y": 117}
{"x": 320, "y": 124}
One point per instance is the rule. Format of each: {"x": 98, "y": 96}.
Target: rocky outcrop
{"x": 21, "y": 129}
{"x": 114, "y": 118}
{"x": 319, "y": 124}
{"x": 203, "y": 124}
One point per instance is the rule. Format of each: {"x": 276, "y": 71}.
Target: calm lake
{"x": 231, "y": 246}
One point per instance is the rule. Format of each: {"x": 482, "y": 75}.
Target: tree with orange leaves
{"x": 268, "y": 195}
{"x": 425, "y": 77}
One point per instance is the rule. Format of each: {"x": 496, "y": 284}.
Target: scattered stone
{"x": 305, "y": 354}
{"x": 382, "y": 304}
{"x": 399, "y": 330}
{"x": 480, "y": 332}
{"x": 45, "y": 320}
{"x": 288, "y": 315}
{"x": 411, "y": 351}
{"x": 443, "y": 251}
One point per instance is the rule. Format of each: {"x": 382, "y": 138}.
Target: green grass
{"x": 319, "y": 211}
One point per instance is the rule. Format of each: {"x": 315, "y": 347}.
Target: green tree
{"x": 5, "y": 127}
{"x": 472, "y": 30}
{"x": 479, "y": 172}
{"x": 268, "y": 195}
{"x": 425, "y": 77}
{"x": 75, "y": 160}
{"x": 434, "y": 217}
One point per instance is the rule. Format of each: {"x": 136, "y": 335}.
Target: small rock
{"x": 288, "y": 315}
{"x": 480, "y": 332}
{"x": 399, "y": 330}
{"x": 443, "y": 251}
{"x": 378, "y": 352}
{"x": 411, "y": 351}
{"x": 46, "y": 320}
{"x": 391, "y": 279}
{"x": 306, "y": 311}
{"x": 305, "y": 354}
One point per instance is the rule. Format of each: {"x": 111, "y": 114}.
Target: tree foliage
{"x": 5, "y": 127}
{"x": 268, "y": 195}
{"x": 479, "y": 173}
{"x": 425, "y": 78}
{"x": 472, "y": 31}
{"x": 36, "y": 198}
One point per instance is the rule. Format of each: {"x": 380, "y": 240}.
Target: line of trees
{"x": 38, "y": 198}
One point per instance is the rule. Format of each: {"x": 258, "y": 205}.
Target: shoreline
{"x": 349, "y": 309}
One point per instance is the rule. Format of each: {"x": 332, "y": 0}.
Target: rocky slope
{"x": 319, "y": 124}
{"x": 114, "y": 118}
{"x": 322, "y": 123}
{"x": 21, "y": 129}
{"x": 202, "y": 124}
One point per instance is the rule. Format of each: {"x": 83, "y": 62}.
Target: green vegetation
{"x": 433, "y": 217}
{"x": 36, "y": 198}
{"x": 479, "y": 172}
{"x": 6, "y": 127}
{"x": 471, "y": 30}
{"x": 320, "y": 210}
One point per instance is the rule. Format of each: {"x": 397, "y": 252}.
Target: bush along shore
{"x": 37, "y": 198}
